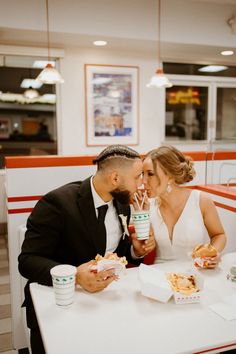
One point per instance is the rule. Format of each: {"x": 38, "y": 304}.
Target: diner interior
{"x": 106, "y": 94}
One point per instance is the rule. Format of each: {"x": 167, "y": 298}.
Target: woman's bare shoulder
{"x": 206, "y": 201}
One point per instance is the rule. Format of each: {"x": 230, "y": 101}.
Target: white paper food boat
{"x": 154, "y": 284}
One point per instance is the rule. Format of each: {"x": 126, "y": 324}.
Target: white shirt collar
{"x": 98, "y": 201}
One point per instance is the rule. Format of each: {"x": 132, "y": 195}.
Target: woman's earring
{"x": 169, "y": 188}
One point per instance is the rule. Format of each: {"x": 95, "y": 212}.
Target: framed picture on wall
{"x": 5, "y": 128}
{"x": 111, "y": 104}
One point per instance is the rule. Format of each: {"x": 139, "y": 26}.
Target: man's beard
{"x": 122, "y": 196}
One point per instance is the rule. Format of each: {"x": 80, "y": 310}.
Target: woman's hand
{"x": 213, "y": 261}
{"x": 207, "y": 262}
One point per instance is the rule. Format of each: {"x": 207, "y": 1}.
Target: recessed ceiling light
{"x": 100, "y": 43}
{"x": 227, "y": 52}
{"x": 212, "y": 68}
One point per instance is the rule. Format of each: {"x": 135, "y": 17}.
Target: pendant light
{"x": 30, "y": 85}
{"x": 31, "y": 93}
{"x": 159, "y": 80}
{"x": 49, "y": 75}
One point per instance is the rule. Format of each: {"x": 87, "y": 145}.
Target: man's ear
{"x": 115, "y": 178}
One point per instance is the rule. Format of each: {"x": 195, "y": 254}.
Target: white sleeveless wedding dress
{"x": 188, "y": 231}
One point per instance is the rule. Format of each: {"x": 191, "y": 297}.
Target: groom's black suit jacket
{"x": 62, "y": 228}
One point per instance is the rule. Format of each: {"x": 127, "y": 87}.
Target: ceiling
{"x": 183, "y": 53}
{"x": 192, "y": 53}
{"x": 72, "y": 34}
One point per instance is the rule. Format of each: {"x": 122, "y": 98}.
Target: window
{"x": 28, "y": 124}
{"x": 186, "y": 113}
{"x": 196, "y": 69}
{"x": 200, "y": 106}
{"x": 226, "y": 113}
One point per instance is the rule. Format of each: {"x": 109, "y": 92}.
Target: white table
{"x": 119, "y": 320}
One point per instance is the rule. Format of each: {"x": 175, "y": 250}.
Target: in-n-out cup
{"x": 141, "y": 221}
{"x": 63, "y": 279}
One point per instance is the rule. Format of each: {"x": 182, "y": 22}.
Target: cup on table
{"x": 232, "y": 273}
{"x": 63, "y": 280}
{"x": 141, "y": 222}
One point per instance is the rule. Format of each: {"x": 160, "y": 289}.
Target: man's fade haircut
{"x": 115, "y": 154}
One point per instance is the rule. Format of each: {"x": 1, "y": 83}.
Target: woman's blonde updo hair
{"x": 173, "y": 163}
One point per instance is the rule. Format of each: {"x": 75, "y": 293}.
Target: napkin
{"x": 227, "y": 308}
{"x": 111, "y": 264}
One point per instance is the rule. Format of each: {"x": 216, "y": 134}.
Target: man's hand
{"x": 143, "y": 247}
{"x": 93, "y": 281}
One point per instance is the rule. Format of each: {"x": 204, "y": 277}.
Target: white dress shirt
{"x": 112, "y": 223}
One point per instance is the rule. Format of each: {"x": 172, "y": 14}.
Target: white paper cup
{"x": 233, "y": 270}
{"x": 141, "y": 221}
{"x": 63, "y": 279}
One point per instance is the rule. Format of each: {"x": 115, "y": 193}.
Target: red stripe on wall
{"x": 221, "y": 155}
{"x": 47, "y": 161}
{"x": 53, "y": 161}
{"x": 196, "y": 155}
{"x": 227, "y": 207}
{"x": 24, "y": 198}
{"x": 20, "y": 210}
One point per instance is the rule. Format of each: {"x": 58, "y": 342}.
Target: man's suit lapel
{"x": 87, "y": 209}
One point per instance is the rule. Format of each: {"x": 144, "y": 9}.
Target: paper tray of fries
{"x": 186, "y": 288}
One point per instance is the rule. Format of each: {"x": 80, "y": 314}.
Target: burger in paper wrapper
{"x": 109, "y": 261}
{"x": 202, "y": 255}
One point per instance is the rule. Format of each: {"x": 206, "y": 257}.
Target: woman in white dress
{"x": 181, "y": 218}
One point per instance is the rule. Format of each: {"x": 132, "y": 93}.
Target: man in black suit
{"x": 63, "y": 228}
